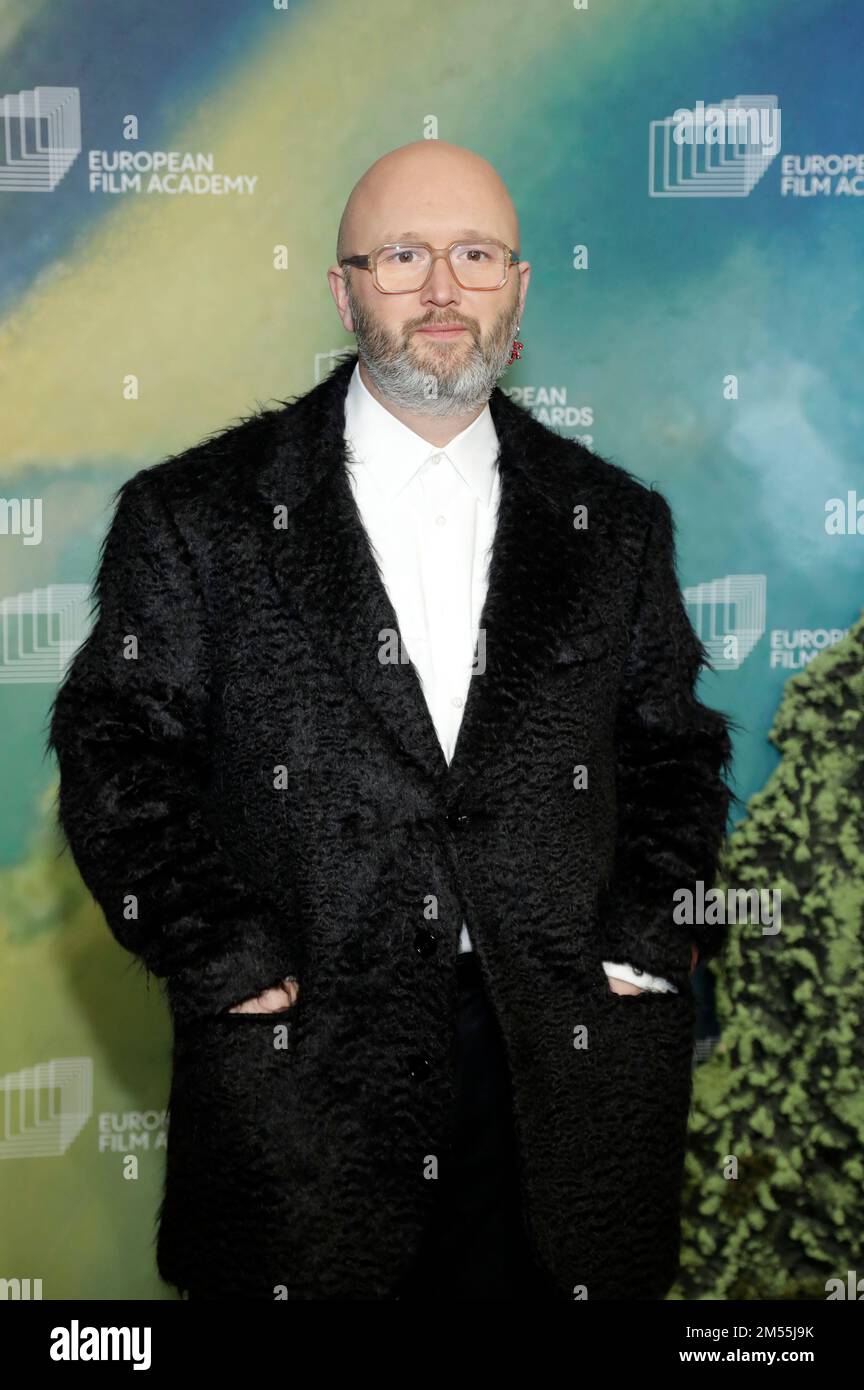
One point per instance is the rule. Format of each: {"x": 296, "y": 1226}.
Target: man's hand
{"x": 271, "y": 1000}
{"x": 625, "y": 987}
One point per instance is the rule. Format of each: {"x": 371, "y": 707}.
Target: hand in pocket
{"x": 270, "y": 1001}
{"x": 623, "y": 986}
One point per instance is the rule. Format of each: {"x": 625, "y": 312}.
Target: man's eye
{"x": 401, "y": 257}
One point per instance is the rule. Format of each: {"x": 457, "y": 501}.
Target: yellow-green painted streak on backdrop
{"x": 16, "y": 16}
{"x": 182, "y": 292}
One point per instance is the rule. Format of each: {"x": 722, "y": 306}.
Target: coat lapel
{"x": 319, "y": 553}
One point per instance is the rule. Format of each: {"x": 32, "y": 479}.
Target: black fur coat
{"x": 250, "y": 792}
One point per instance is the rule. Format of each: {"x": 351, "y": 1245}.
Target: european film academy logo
{"x": 718, "y": 151}
{"x": 40, "y": 631}
{"x": 729, "y": 616}
{"x": 40, "y": 138}
{"x": 44, "y": 1108}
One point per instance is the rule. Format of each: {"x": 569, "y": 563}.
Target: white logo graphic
{"x": 729, "y": 616}
{"x": 822, "y": 175}
{"x": 41, "y": 138}
{"x": 45, "y": 1107}
{"x": 40, "y": 631}
{"x": 718, "y": 151}
{"x": 793, "y": 649}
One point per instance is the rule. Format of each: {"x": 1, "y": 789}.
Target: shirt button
{"x": 436, "y": 458}
{"x": 440, "y": 521}
{"x": 457, "y": 701}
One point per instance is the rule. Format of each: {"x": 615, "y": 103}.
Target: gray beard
{"x": 399, "y": 376}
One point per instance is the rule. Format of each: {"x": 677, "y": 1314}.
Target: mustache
{"x": 442, "y": 323}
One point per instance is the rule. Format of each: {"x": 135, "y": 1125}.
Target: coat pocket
{"x": 271, "y": 1015}
{"x": 228, "y": 1063}
{"x": 225, "y": 1021}
{"x": 601, "y": 981}
{"x": 627, "y": 1097}
{"x": 242, "y": 1155}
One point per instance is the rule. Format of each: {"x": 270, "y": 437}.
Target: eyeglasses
{"x": 405, "y": 267}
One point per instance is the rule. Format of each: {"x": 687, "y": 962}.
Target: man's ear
{"x": 525, "y": 277}
{"x": 694, "y": 958}
{"x": 338, "y": 289}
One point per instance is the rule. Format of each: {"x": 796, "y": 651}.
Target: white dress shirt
{"x": 430, "y": 515}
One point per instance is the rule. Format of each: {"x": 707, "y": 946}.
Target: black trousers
{"x": 475, "y": 1246}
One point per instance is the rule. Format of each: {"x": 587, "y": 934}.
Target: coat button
{"x": 425, "y": 942}
{"x": 418, "y": 1068}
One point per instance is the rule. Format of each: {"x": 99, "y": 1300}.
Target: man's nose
{"x": 441, "y": 287}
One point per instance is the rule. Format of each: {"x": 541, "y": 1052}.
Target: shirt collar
{"x": 392, "y": 453}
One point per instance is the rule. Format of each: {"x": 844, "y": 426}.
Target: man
{"x": 432, "y": 1015}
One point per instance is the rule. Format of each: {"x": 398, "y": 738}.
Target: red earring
{"x": 516, "y": 350}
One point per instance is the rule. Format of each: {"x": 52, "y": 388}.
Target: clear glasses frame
{"x": 370, "y": 261}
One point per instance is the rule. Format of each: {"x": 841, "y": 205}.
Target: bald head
{"x": 432, "y": 353}
{"x": 429, "y": 190}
